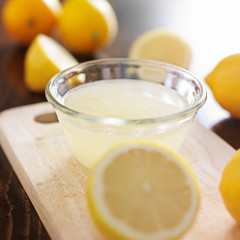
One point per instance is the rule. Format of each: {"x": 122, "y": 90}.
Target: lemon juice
{"x": 112, "y": 111}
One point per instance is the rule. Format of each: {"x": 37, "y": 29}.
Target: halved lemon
{"x": 142, "y": 190}
{"x": 162, "y": 45}
{"x": 44, "y": 58}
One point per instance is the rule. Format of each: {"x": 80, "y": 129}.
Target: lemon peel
{"x": 230, "y": 186}
{"x": 87, "y": 26}
{"x": 224, "y": 82}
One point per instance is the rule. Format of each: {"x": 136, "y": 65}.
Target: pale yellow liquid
{"x": 125, "y": 99}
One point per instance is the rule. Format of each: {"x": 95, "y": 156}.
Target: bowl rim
{"x": 191, "y": 110}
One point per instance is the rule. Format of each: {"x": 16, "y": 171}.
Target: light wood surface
{"x": 55, "y": 181}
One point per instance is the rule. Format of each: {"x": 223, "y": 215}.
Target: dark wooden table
{"x": 210, "y": 27}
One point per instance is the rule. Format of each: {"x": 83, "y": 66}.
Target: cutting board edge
{"x": 31, "y": 192}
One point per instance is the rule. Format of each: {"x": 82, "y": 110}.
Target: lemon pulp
{"x": 162, "y": 45}
{"x": 142, "y": 190}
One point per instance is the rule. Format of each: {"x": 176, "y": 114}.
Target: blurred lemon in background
{"x": 224, "y": 82}
{"x": 162, "y": 45}
{"x": 24, "y": 19}
{"x": 142, "y": 190}
{"x": 86, "y": 26}
{"x": 44, "y": 58}
{"x": 230, "y": 186}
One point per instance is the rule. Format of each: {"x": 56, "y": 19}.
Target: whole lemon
{"x": 230, "y": 186}
{"x": 86, "y": 26}
{"x": 224, "y": 82}
{"x": 23, "y": 20}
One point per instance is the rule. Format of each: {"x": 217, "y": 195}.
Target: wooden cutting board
{"x": 55, "y": 181}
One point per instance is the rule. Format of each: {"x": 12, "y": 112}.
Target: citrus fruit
{"x": 162, "y": 45}
{"x": 24, "y": 19}
{"x": 44, "y": 58}
{"x": 230, "y": 186}
{"x": 224, "y": 81}
{"x": 86, "y": 26}
{"x": 141, "y": 190}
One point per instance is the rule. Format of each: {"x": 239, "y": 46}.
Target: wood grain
{"x": 18, "y": 218}
{"x": 55, "y": 181}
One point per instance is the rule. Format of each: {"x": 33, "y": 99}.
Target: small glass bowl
{"x": 89, "y": 136}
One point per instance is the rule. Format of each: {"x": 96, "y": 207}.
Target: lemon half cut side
{"x": 44, "y": 58}
{"x": 142, "y": 190}
{"x": 162, "y": 45}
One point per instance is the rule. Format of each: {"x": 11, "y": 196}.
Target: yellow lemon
{"x": 224, "y": 82}
{"x": 86, "y": 26}
{"x": 162, "y": 45}
{"x": 230, "y": 186}
{"x": 44, "y": 58}
{"x": 24, "y": 19}
{"x": 142, "y": 190}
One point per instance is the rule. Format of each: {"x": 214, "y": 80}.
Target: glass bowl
{"x": 104, "y": 102}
